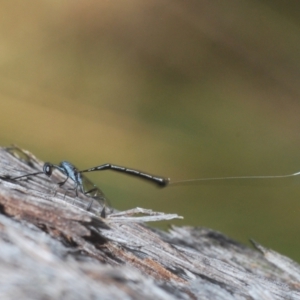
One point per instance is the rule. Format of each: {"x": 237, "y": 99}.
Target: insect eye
{"x": 47, "y": 169}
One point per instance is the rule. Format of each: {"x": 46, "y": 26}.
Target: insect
{"x": 80, "y": 181}
{"x": 71, "y": 172}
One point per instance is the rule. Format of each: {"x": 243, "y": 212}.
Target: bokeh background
{"x": 183, "y": 89}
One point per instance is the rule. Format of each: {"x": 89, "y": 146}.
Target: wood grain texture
{"x": 52, "y": 248}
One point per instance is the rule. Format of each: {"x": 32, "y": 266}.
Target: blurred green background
{"x": 182, "y": 89}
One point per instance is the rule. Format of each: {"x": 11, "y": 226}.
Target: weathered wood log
{"x": 53, "y": 248}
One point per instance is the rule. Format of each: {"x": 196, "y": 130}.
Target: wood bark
{"x": 53, "y": 248}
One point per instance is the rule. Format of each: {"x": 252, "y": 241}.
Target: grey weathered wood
{"x": 52, "y": 248}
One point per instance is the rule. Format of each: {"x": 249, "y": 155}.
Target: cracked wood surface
{"x": 52, "y": 248}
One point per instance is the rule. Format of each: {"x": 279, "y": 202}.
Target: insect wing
{"x": 91, "y": 190}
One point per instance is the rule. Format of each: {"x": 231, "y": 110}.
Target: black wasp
{"x": 71, "y": 172}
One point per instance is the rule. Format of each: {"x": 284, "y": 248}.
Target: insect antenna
{"x": 27, "y": 175}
